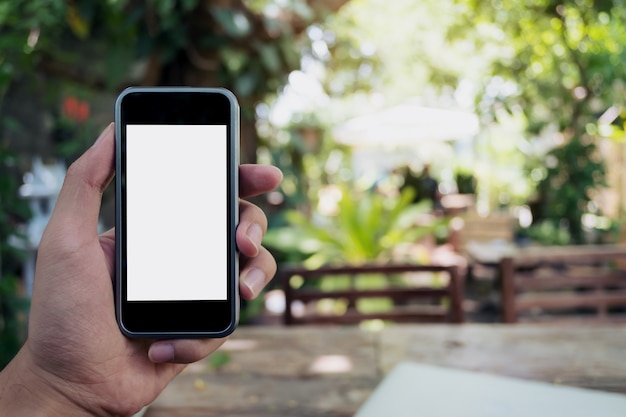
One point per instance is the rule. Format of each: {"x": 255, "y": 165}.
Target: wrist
{"x": 27, "y": 391}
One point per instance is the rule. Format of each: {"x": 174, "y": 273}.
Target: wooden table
{"x": 490, "y": 254}
{"x": 331, "y": 371}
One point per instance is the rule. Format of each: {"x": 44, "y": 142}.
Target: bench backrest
{"x": 443, "y": 301}
{"x": 554, "y": 283}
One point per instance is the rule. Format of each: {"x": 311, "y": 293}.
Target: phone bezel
{"x": 188, "y": 106}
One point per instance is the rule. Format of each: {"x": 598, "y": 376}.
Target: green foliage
{"x": 13, "y": 307}
{"x": 13, "y": 310}
{"x": 561, "y": 57}
{"x": 13, "y": 210}
{"x": 567, "y": 189}
{"x": 105, "y": 44}
{"x": 21, "y": 26}
{"x": 549, "y": 233}
{"x": 308, "y": 159}
{"x": 465, "y": 181}
{"x": 366, "y": 227}
{"x": 564, "y": 61}
{"x": 397, "y": 49}
{"x": 87, "y": 47}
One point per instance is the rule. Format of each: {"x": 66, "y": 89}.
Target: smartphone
{"x": 177, "y": 159}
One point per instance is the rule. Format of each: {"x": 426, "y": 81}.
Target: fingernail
{"x": 161, "y": 353}
{"x": 104, "y": 133}
{"x": 255, "y": 234}
{"x": 255, "y": 280}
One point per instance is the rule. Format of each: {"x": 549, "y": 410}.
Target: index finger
{"x": 258, "y": 179}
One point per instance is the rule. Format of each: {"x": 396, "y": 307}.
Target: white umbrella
{"x": 406, "y": 134}
{"x": 407, "y": 125}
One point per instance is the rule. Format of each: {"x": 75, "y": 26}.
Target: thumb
{"x": 77, "y": 209}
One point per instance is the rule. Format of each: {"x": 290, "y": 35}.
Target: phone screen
{"x": 176, "y": 213}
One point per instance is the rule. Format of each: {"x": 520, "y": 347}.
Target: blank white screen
{"x": 176, "y": 212}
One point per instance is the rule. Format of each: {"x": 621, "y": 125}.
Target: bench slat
{"x": 395, "y": 293}
{"x": 529, "y": 281}
{"x": 436, "y": 314}
{"x": 563, "y": 301}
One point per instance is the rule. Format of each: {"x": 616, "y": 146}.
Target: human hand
{"x": 76, "y": 361}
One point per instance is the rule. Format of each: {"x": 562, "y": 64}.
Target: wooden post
{"x": 285, "y": 278}
{"x": 507, "y": 272}
{"x": 456, "y": 295}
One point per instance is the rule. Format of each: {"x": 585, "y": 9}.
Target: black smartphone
{"x": 177, "y": 164}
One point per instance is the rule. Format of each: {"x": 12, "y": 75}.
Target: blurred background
{"x": 402, "y": 127}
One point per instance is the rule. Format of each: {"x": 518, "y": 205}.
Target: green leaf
{"x": 219, "y": 359}
{"x": 270, "y": 57}
{"x": 164, "y": 7}
{"x": 234, "y": 59}
{"x": 116, "y": 64}
{"x": 235, "y": 23}
{"x": 188, "y": 5}
{"x": 247, "y": 82}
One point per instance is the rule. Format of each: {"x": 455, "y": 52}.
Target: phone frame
{"x": 185, "y": 106}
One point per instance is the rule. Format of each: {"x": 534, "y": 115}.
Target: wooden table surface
{"x": 331, "y": 371}
{"x": 491, "y": 253}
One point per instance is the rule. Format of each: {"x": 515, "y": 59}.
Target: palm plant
{"x": 367, "y": 227}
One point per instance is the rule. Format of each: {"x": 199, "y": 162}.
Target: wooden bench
{"x": 438, "y": 303}
{"x": 564, "y": 283}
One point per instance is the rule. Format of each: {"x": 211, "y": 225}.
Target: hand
{"x": 76, "y": 361}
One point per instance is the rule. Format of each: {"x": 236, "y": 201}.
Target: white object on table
{"x": 422, "y": 390}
